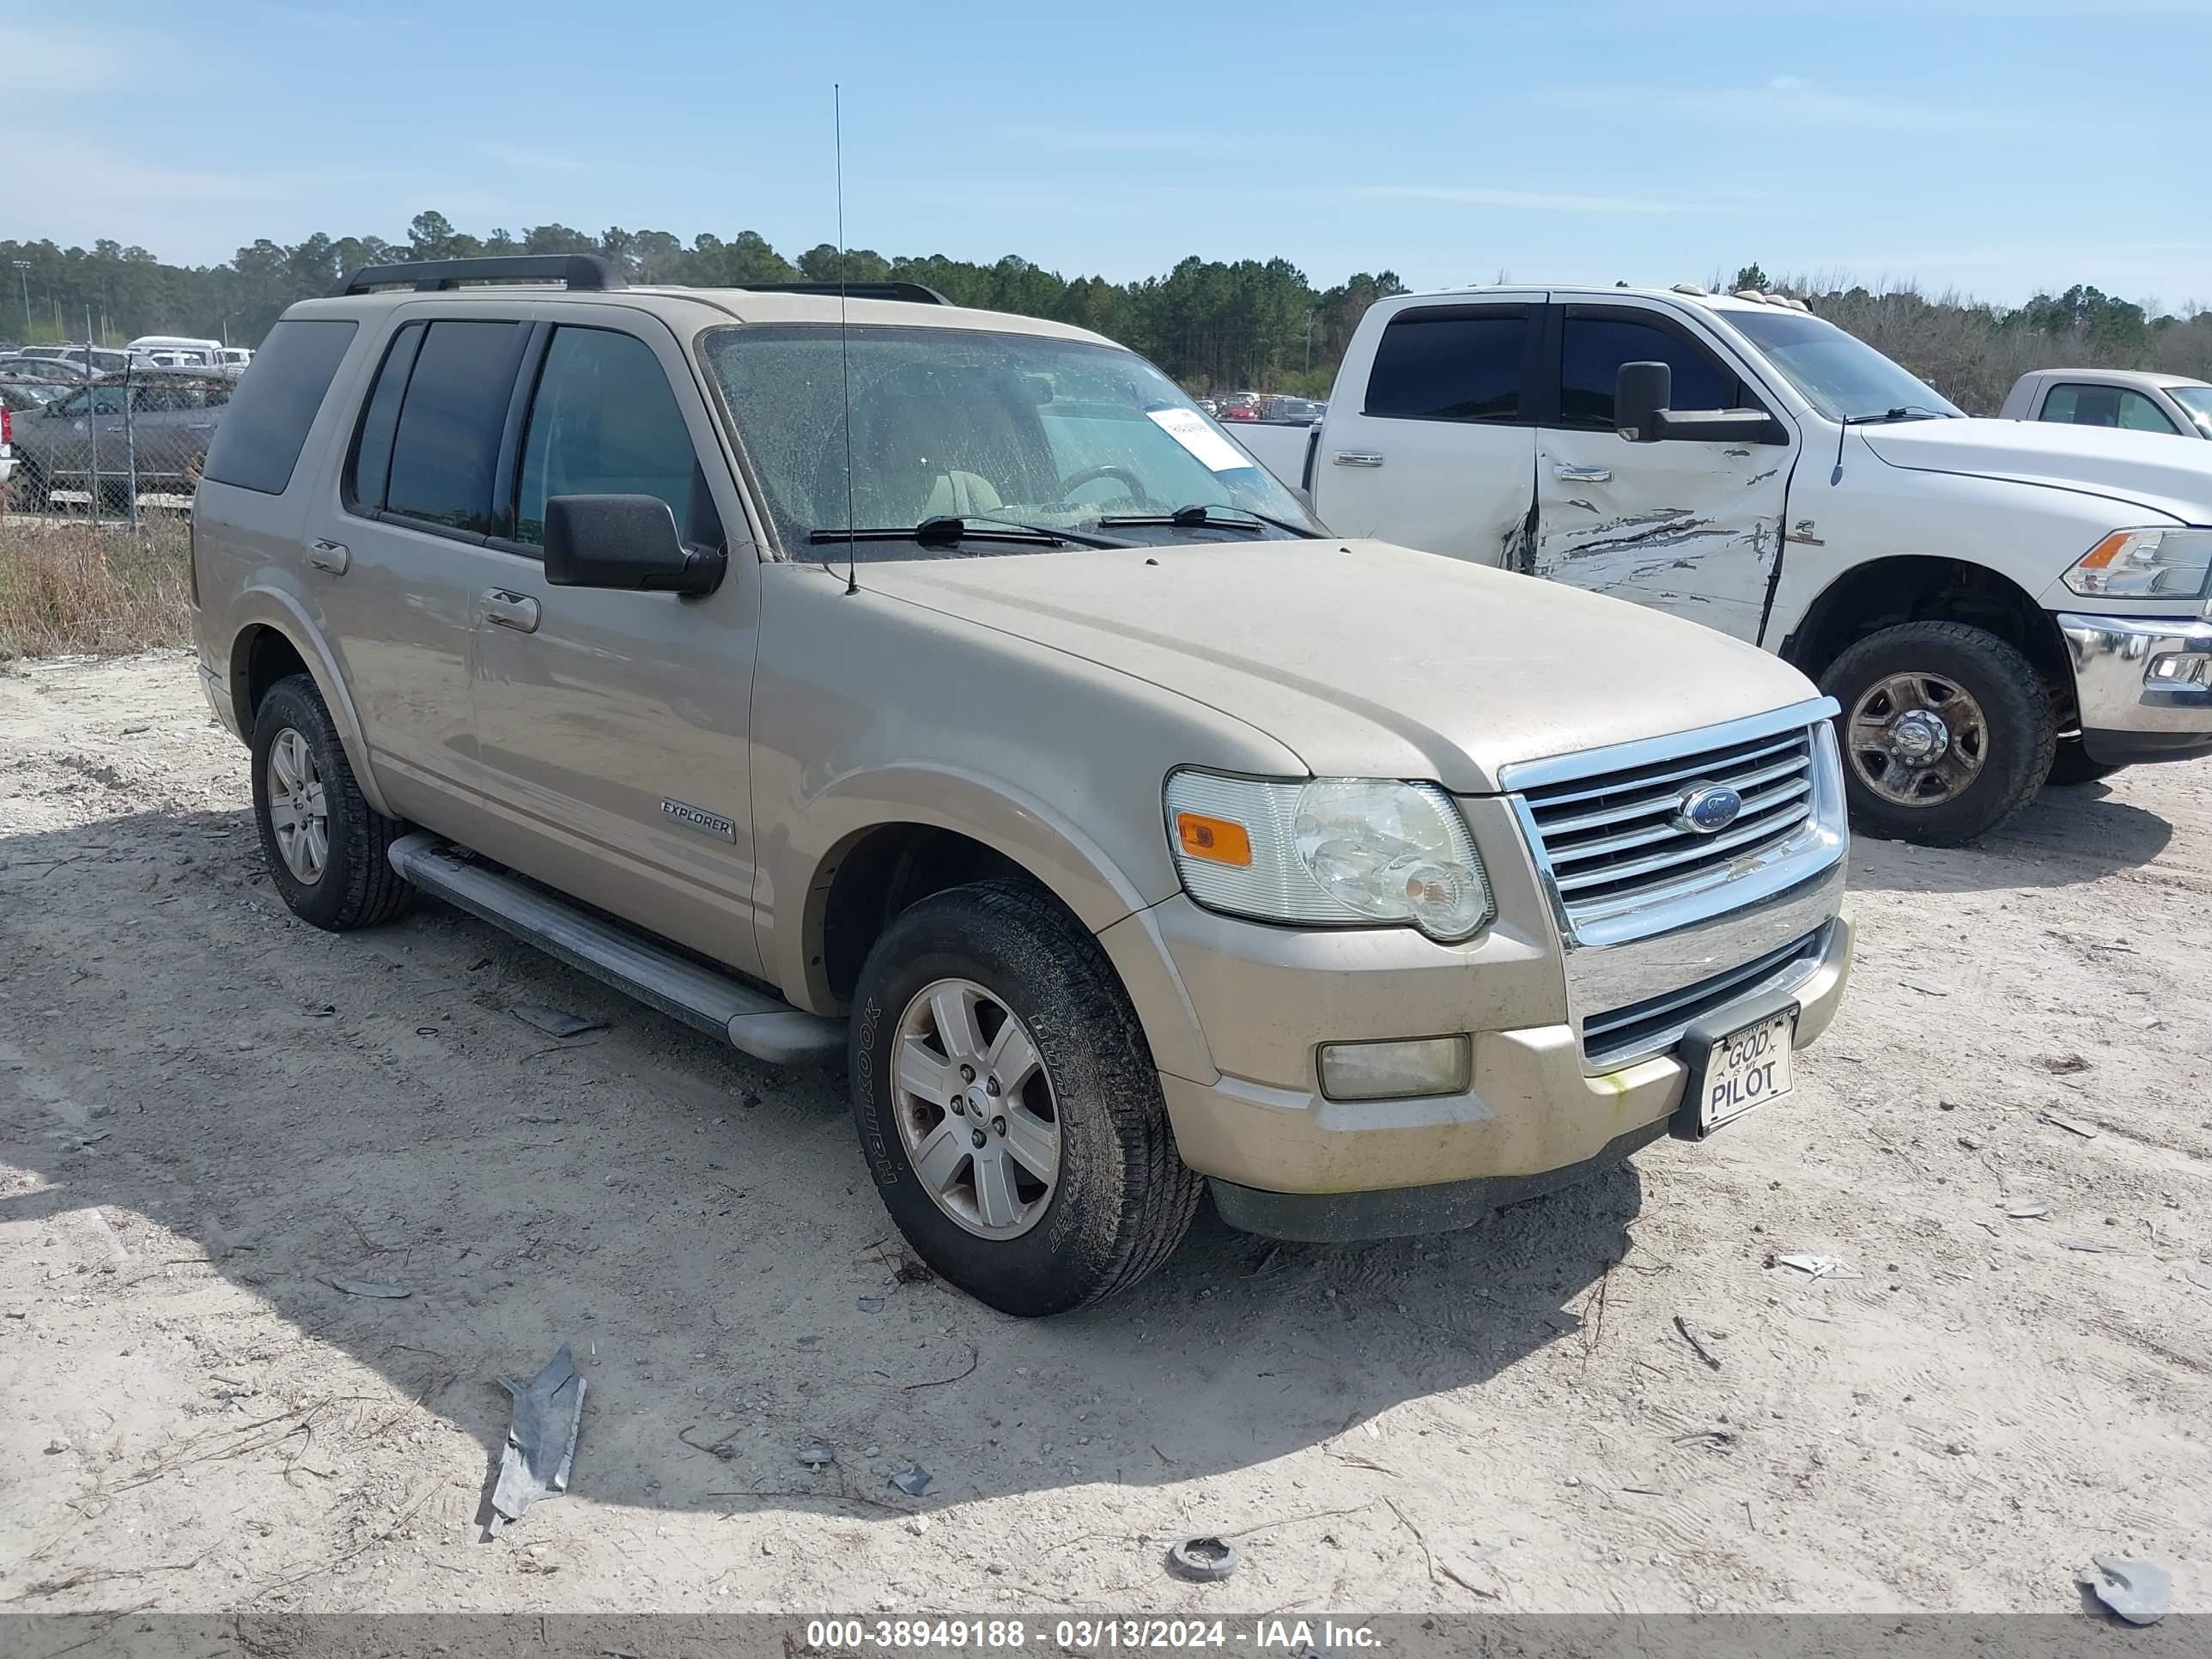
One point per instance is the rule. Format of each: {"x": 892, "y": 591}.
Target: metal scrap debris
{"x": 1818, "y": 1266}
{"x": 1206, "y": 1559}
{"x": 820, "y": 1454}
{"x": 913, "y": 1480}
{"x": 1695, "y": 1347}
{"x": 541, "y": 1439}
{"x": 554, "y": 1021}
{"x": 2027, "y": 1209}
{"x": 2069, "y": 1126}
{"x": 2137, "y": 1589}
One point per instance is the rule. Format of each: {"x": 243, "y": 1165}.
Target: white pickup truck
{"x": 1993, "y": 604}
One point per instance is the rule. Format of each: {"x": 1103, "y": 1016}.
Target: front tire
{"x": 2072, "y": 765}
{"x": 1007, "y": 1104}
{"x": 326, "y": 846}
{"x": 1946, "y": 731}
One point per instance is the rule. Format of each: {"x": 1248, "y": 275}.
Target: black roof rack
{"x": 913, "y": 292}
{"x": 573, "y": 271}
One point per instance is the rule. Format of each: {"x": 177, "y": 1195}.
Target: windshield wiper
{"x": 943, "y": 529}
{"x": 1902, "y": 412}
{"x": 1200, "y": 515}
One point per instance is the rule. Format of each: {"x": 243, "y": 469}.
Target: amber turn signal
{"x": 1216, "y": 840}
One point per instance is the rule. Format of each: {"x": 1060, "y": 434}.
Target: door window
{"x": 2105, "y": 406}
{"x": 605, "y": 422}
{"x": 444, "y": 448}
{"x": 1450, "y": 363}
{"x": 1593, "y": 349}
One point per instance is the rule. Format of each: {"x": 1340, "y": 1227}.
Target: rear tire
{"x": 338, "y": 876}
{"x": 1974, "y": 706}
{"x": 1116, "y": 1200}
{"x": 30, "y": 494}
{"x": 2072, "y": 765}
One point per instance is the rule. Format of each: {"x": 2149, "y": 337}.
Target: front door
{"x": 612, "y": 726}
{"x": 1435, "y": 450}
{"x": 1684, "y": 526}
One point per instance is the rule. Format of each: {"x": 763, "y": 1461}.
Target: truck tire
{"x": 1946, "y": 731}
{"x": 2071, "y": 765}
{"x": 1007, "y": 1104}
{"x": 326, "y": 846}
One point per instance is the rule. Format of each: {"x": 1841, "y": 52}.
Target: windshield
{"x": 2195, "y": 402}
{"x": 988, "y": 428}
{"x": 1842, "y": 376}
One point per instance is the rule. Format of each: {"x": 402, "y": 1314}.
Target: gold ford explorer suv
{"x": 941, "y": 692}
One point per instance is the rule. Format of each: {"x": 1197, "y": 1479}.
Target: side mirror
{"x": 625, "y": 542}
{"x": 1641, "y": 392}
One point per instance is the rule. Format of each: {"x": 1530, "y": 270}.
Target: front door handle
{"x": 1582, "y": 474}
{"x": 328, "y": 556}
{"x": 515, "y": 611}
{"x": 1359, "y": 458}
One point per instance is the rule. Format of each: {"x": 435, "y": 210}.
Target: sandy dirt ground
{"x": 208, "y": 1111}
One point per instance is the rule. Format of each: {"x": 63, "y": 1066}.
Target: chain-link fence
{"x": 122, "y": 447}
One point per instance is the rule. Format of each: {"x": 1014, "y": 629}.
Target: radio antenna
{"x": 844, "y": 351}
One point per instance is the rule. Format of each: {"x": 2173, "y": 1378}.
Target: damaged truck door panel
{"x": 1994, "y": 605}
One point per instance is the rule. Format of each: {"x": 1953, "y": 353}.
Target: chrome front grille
{"x": 1619, "y": 1037}
{"x": 1610, "y": 840}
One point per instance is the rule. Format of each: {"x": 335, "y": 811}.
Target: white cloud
{"x": 1791, "y": 100}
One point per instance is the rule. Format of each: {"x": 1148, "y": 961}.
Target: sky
{"x": 1995, "y": 146}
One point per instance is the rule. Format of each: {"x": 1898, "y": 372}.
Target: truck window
{"x": 1450, "y": 363}
{"x": 445, "y": 446}
{"x": 604, "y": 422}
{"x": 259, "y": 443}
{"x": 2105, "y": 406}
{"x": 1593, "y": 349}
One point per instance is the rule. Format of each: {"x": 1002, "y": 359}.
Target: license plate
{"x": 1744, "y": 1069}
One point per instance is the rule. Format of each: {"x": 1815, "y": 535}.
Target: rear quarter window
{"x": 265, "y": 424}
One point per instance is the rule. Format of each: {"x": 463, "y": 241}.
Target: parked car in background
{"x": 2135, "y": 400}
{"x": 101, "y": 360}
{"x": 1291, "y": 411}
{"x": 178, "y": 350}
{"x": 53, "y": 371}
{"x": 27, "y": 397}
{"x": 79, "y": 439}
{"x": 237, "y": 356}
{"x": 1994, "y": 604}
{"x": 1329, "y": 906}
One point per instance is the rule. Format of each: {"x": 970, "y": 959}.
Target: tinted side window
{"x": 604, "y": 422}
{"x": 446, "y": 448}
{"x": 259, "y": 443}
{"x": 370, "y": 465}
{"x": 1449, "y": 365}
{"x": 1593, "y": 349}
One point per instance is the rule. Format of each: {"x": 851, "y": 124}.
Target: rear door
{"x": 1684, "y": 526}
{"x": 395, "y": 553}
{"x": 612, "y": 726}
{"x": 1435, "y": 448}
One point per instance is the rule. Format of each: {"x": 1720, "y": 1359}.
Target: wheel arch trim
{"x": 282, "y": 614}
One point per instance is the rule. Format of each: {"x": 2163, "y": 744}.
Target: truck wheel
{"x": 2072, "y": 764}
{"x": 30, "y": 493}
{"x": 1007, "y": 1104}
{"x": 326, "y": 846}
{"x": 1946, "y": 731}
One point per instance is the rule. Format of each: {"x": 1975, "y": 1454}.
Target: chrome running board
{"x": 749, "y": 1019}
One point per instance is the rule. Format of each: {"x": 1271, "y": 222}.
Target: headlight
{"x": 1332, "y": 852}
{"x": 2145, "y": 564}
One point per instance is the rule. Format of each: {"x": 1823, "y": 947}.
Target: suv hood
{"x": 1364, "y": 658}
{"x": 2169, "y": 475}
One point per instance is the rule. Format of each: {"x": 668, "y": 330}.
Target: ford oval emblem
{"x": 1706, "y": 809}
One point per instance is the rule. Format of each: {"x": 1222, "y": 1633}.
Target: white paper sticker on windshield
{"x": 1189, "y": 427}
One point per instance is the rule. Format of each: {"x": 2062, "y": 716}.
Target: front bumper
{"x": 2128, "y": 712}
{"x": 1287, "y": 1160}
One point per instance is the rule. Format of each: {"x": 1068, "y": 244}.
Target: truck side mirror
{"x": 625, "y": 542}
{"x": 1640, "y": 392}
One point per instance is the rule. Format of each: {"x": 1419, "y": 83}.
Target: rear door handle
{"x": 1584, "y": 474}
{"x": 516, "y": 611}
{"x": 1359, "y": 458}
{"x": 328, "y": 556}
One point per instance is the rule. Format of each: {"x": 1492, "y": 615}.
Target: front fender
{"x": 283, "y": 613}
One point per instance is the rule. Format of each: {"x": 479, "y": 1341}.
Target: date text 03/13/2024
{"x": 1292, "y": 1636}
